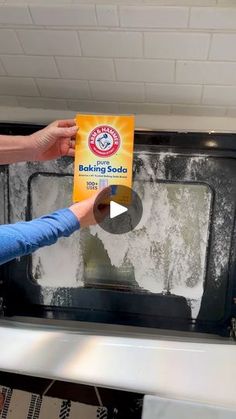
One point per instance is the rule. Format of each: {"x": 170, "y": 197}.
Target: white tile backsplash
{"x": 49, "y": 42}
{"x": 86, "y": 68}
{"x": 63, "y": 15}
{"x": 198, "y": 110}
{"x": 176, "y": 45}
{"x": 203, "y": 72}
{"x": 213, "y": 18}
{"x": 40, "y": 102}
{"x": 107, "y": 15}
{"x": 181, "y": 2}
{"x": 144, "y": 108}
{"x": 9, "y": 44}
{"x": 2, "y": 71}
{"x": 93, "y": 106}
{"x": 67, "y": 89}
{"x": 15, "y": 86}
{"x": 167, "y": 93}
{"x": 141, "y": 56}
{"x": 30, "y": 66}
{"x": 145, "y": 70}
{"x": 15, "y": 15}
{"x": 117, "y": 91}
{"x": 219, "y": 95}
{"x": 111, "y": 44}
{"x": 226, "y": 2}
{"x": 231, "y": 112}
{"x": 153, "y": 17}
{"x": 223, "y": 47}
{"x": 40, "y": 2}
{"x": 8, "y": 101}
{"x": 159, "y": 2}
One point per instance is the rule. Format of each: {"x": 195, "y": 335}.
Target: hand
{"x": 56, "y": 140}
{"x": 92, "y": 210}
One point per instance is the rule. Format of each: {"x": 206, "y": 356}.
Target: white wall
{"x": 119, "y": 56}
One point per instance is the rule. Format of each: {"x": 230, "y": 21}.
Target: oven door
{"x": 175, "y": 270}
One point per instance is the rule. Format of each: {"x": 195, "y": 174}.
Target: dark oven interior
{"x": 176, "y": 270}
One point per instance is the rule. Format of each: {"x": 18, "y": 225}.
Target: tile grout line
{"x": 117, "y": 29}
{"x": 113, "y": 101}
{"x": 59, "y": 76}
{"x": 3, "y": 66}
{"x": 189, "y": 17}
{"x": 115, "y": 69}
{"x": 202, "y": 95}
{"x": 175, "y": 72}
{"x": 143, "y": 46}
{"x": 125, "y": 58}
{"x": 37, "y": 86}
{"x": 148, "y": 103}
{"x": 29, "y": 10}
{"x": 209, "y": 48}
{"x": 96, "y": 15}
{"x": 23, "y": 52}
{"x": 90, "y": 90}
{"x": 118, "y": 15}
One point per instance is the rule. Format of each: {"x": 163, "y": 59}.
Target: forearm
{"x": 15, "y": 149}
{"x": 21, "y": 239}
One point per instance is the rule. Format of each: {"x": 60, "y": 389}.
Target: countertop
{"x": 191, "y": 367}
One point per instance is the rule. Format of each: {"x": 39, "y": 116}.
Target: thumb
{"x": 63, "y": 132}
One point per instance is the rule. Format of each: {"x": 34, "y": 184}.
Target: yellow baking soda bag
{"x": 103, "y": 154}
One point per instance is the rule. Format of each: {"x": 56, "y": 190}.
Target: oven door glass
{"x": 173, "y": 270}
{"x": 166, "y": 253}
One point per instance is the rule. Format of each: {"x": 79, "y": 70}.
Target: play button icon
{"x": 116, "y": 209}
{"x": 125, "y": 210}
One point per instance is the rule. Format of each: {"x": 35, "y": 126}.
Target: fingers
{"x": 72, "y": 143}
{"x": 66, "y": 123}
{"x": 103, "y": 194}
{"x": 64, "y": 132}
{"x": 71, "y": 152}
{"x": 94, "y": 209}
{"x": 104, "y": 210}
{"x": 101, "y": 207}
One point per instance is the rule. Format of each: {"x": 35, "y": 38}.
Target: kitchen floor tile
{"x": 24, "y": 382}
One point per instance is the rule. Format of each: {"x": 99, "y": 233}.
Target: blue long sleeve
{"x": 23, "y": 238}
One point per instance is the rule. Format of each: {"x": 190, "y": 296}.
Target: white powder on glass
{"x": 165, "y": 253}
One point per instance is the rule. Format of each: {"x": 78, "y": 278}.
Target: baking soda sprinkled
{"x": 166, "y": 253}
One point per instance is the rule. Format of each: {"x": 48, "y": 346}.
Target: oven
{"x": 174, "y": 271}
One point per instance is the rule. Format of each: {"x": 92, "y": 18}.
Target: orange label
{"x": 103, "y": 154}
